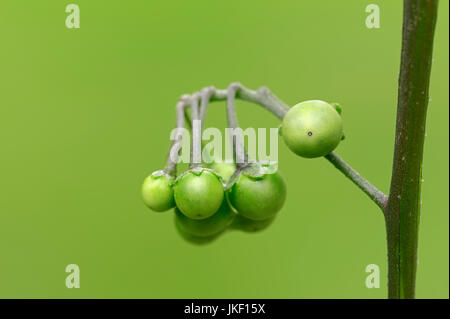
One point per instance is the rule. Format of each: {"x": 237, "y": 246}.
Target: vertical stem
{"x": 206, "y": 94}
{"x": 403, "y": 207}
{"x": 196, "y": 150}
{"x": 175, "y": 145}
{"x": 238, "y": 143}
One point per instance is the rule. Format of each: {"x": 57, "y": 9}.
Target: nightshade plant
{"x": 247, "y": 195}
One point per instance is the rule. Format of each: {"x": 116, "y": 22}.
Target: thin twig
{"x": 176, "y": 143}
{"x": 374, "y": 193}
{"x": 206, "y": 94}
{"x": 196, "y": 138}
{"x": 238, "y": 143}
{"x": 263, "y": 96}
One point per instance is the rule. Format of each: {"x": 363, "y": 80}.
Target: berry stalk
{"x": 176, "y": 143}
{"x": 374, "y": 193}
{"x": 196, "y": 137}
{"x": 241, "y": 157}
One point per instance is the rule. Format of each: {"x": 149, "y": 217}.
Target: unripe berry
{"x": 157, "y": 191}
{"x": 312, "y": 128}
{"x": 209, "y": 226}
{"x": 258, "y": 197}
{"x": 198, "y": 193}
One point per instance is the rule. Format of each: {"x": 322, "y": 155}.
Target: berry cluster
{"x": 245, "y": 195}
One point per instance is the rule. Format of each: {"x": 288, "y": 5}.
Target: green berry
{"x": 258, "y": 197}
{"x": 223, "y": 169}
{"x": 196, "y": 240}
{"x": 209, "y": 226}
{"x": 312, "y": 128}
{"x": 198, "y": 193}
{"x": 157, "y": 191}
{"x": 249, "y": 225}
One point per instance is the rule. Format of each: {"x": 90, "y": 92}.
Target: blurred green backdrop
{"x": 85, "y": 115}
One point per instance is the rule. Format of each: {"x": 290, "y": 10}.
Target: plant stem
{"x": 176, "y": 143}
{"x": 196, "y": 138}
{"x": 263, "y": 96}
{"x": 403, "y": 206}
{"x": 206, "y": 94}
{"x": 374, "y": 193}
{"x": 241, "y": 157}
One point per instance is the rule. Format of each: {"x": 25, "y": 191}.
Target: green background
{"x": 86, "y": 114}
